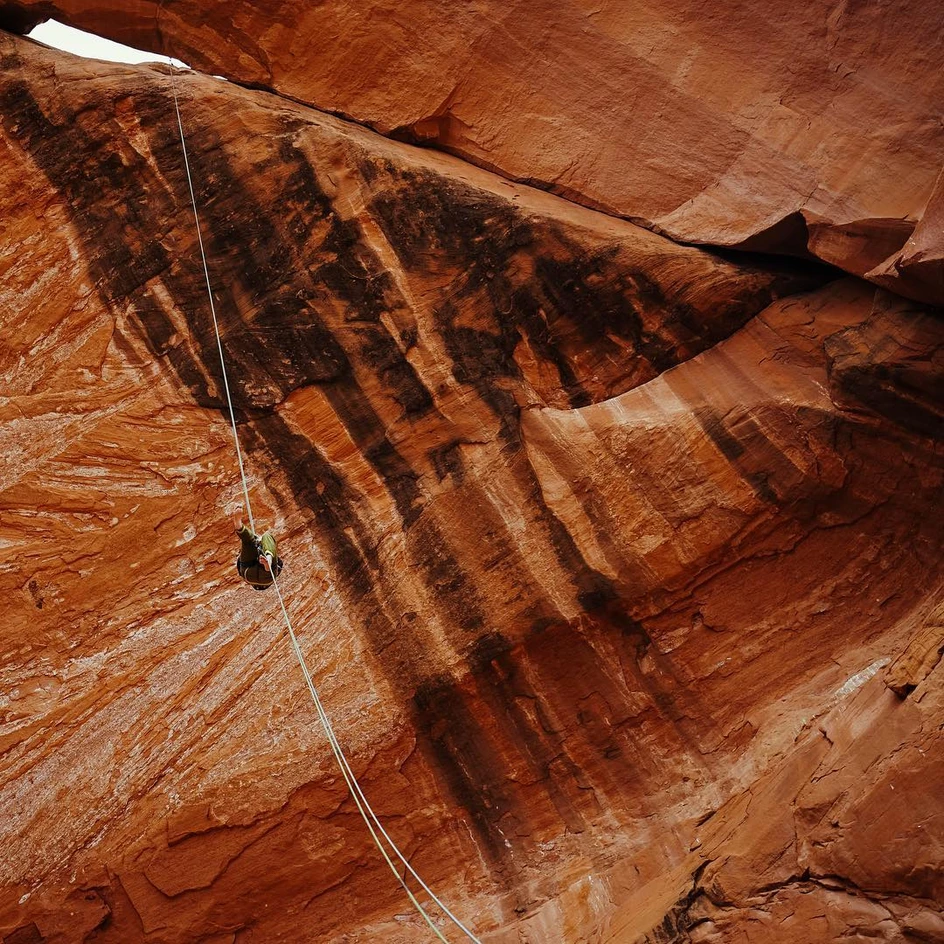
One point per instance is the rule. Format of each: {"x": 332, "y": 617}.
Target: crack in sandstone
{"x": 563, "y": 193}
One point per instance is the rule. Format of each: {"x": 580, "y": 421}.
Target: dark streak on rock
{"x": 733, "y": 450}
{"x": 503, "y": 688}
{"x": 469, "y": 762}
{"x": 62, "y": 152}
{"x": 513, "y": 283}
{"x": 455, "y": 594}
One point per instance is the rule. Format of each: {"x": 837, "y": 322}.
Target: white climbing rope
{"x": 369, "y": 816}
{"x": 373, "y": 824}
{"x": 216, "y": 326}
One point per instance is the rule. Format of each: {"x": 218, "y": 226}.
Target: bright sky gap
{"x": 89, "y": 46}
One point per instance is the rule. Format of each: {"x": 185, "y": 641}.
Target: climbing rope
{"x": 216, "y": 326}
{"x": 374, "y": 826}
{"x": 367, "y": 813}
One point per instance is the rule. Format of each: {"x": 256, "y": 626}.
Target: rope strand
{"x": 216, "y": 326}
{"x": 345, "y": 769}
{"x": 364, "y": 808}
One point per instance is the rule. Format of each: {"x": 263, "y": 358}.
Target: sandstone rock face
{"x": 794, "y": 128}
{"x": 616, "y": 560}
{"x": 917, "y": 271}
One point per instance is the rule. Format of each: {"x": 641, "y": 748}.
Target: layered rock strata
{"x": 810, "y": 128}
{"x": 616, "y": 560}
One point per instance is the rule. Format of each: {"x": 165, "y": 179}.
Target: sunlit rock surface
{"x": 617, "y": 561}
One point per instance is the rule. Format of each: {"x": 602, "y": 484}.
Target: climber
{"x": 258, "y": 560}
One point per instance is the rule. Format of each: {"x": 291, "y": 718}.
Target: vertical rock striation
{"x": 797, "y": 130}
{"x": 616, "y": 559}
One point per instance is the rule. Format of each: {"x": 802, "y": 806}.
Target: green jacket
{"x": 248, "y": 561}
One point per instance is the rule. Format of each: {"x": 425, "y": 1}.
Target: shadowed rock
{"x": 794, "y": 130}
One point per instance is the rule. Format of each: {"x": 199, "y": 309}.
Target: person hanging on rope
{"x": 258, "y": 562}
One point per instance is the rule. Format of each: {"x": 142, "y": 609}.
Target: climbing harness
{"x": 374, "y": 826}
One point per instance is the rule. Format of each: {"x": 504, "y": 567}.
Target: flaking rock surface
{"x": 618, "y": 562}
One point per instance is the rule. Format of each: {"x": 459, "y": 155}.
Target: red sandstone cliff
{"x": 810, "y": 127}
{"x": 618, "y": 561}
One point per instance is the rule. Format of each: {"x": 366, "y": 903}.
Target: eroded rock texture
{"x": 617, "y": 561}
{"x": 799, "y": 128}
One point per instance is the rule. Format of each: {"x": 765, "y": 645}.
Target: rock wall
{"x": 616, "y": 560}
{"x": 811, "y": 128}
